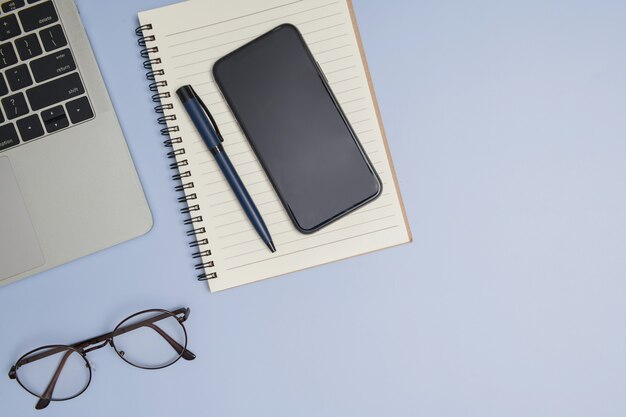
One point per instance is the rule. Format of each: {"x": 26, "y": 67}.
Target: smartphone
{"x": 302, "y": 138}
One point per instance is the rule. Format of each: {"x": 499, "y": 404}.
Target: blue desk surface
{"x": 506, "y": 123}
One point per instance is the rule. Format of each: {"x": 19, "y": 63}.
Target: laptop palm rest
{"x": 19, "y": 247}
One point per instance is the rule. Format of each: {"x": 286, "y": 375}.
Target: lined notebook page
{"x": 190, "y": 37}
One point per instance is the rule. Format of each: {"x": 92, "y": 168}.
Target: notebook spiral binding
{"x": 155, "y": 75}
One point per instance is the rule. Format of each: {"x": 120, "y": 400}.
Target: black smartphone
{"x": 302, "y": 138}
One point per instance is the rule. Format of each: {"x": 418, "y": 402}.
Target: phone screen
{"x": 299, "y": 133}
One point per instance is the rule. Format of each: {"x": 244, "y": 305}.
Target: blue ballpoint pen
{"x": 210, "y": 133}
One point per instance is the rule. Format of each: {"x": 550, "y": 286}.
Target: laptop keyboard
{"x": 41, "y": 91}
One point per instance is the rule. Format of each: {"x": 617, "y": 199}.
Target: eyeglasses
{"x": 62, "y": 372}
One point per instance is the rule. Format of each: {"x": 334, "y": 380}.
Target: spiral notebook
{"x": 180, "y": 44}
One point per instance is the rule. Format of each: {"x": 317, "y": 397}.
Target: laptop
{"x": 68, "y": 186}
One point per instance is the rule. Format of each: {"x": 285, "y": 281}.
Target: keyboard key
{"x": 51, "y": 66}
{"x": 79, "y": 110}
{"x": 53, "y": 38}
{"x": 28, "y": 47}
{"x": 7, "y": 55}
{"x": 58, "y": 122}
{"x": 30, "y": 128}
{"x": 33, "y": 1}
{"x": 9, "y": 27}
{"x": 9, "y": 6}
{"x": 4, "y": 90}
{"x": 38, "y": 16}
{"x": 52, "y": 113}
{"x": 1, "y": 117}
{"x": 8, "y": 137}
{"x": 15, "y": 106}
{"x": 55, "y": 91}
{"x": 18, "y": 77}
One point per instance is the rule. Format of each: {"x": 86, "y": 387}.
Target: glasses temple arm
{"x": 154, "y": 319}
{"x": 45, "y": 398}
{"x": 185, "y": 353}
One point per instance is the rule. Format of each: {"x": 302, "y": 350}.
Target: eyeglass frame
{"x": 98, "y": 342}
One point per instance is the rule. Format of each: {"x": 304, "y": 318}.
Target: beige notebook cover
{"x": 182, "y": 42}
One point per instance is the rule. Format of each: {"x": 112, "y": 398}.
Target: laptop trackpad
{"x": 19, "y": 247}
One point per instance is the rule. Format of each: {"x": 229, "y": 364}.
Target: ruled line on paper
{"x": 234, "y": 18}
{"x": 191, "y": 75}
{"x": 227, "y": 189}
{"x": 209, "y": 93}
{"x": 312, "y": 247}
{"x": 310, "y": 237}
{"x": 347, "y": 91}
{"x": 327, "y": 39}
{"x": 243, "y": 220}
{"x": 252, "y": 230}
{"x": 274, "y": 234}
{"x": 241, "y": 174}
{"x": 339, "y": 70}
{"x": 210, "y": 47}
{"x": 174, "y": 45}
{"x": 246, "y": 219}
{"x": 325, "y": 28}
{"x": 206, "y": 82}
{"x": 356, "y": 213}
{"x": 344, "y": 80}
{"x": 357, "y": 111}
{"x": 336, "y": 59}
{"x": 319, "y": 18}
{"x": 330, "y": 50}
{"x": 238, "y": 163}
{"x": 221, "y": 203}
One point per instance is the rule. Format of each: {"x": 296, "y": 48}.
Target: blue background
{"x": 506, "y": 123}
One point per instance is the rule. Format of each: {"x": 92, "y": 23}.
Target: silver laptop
{"x": 68, "y": 186}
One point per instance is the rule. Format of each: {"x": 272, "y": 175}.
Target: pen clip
{"x": 208, "y": 113}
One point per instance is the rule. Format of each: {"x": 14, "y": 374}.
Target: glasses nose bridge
{"x": 108, "y": 341}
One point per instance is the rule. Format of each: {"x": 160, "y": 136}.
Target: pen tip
{"x": 271, "y": 246}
